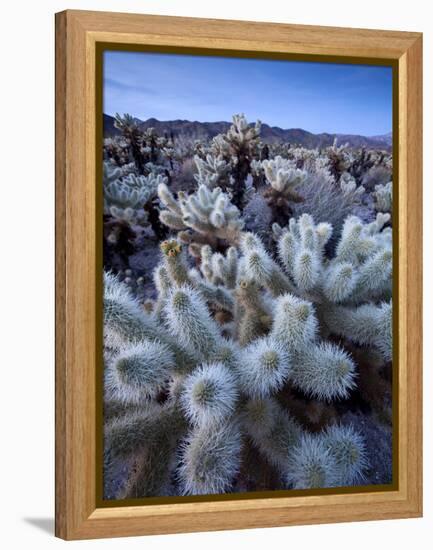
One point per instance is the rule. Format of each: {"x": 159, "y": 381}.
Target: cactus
{"x": 383, "y": 197}
{"x": 134, "y": 136}
{"x": 311, "y": 465}
{"x": 239, "y": 146}
{"x": 233, "y": 366}
{"x": 205, "y": 217}
{"x": 129, "y": 201}
{"x": 139, "y": 371}
{"x": 212, "y": 172}
{"x": 227, "y": 379}
{"x": 348, "y": 448}
{"x": 116, "y": 152}
{"x": 283, "y": 178}
{"x": 210, "y": 459}
{"x": 370, "y": 167}
{"x": 210, "y": 394}
{"x": 360, "y": 270}
{"x": 124, "y": 198}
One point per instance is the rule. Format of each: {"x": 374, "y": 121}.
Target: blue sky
{"x": 318, "y": 97}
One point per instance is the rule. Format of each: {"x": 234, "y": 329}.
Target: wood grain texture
{"x": 60, "y": 217}
{"x": 77, "y": 34}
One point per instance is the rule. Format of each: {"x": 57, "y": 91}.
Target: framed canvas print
{"x": 238, "y": 222}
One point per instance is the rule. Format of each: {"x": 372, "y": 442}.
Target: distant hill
{"x": 269, "y": 134}
{"x": 387, "y": 138}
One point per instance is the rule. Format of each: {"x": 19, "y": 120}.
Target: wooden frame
{"x": 77, "y": 35}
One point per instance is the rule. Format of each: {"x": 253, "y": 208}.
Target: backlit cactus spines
{"x": 273, "y": 431}
{"x": 126, "y": 323}
{"x": 367, "y": 325}
{"x": 277, "y": 341}
{"x": 205, "y": 217}
{"x": 239, "y": 146}
{"x": 246, "y": 342}
{"x": 383, "y": 197}
{"x": 283, "y": 178}
{"x": 210, "y": 394}
{"x": 338, "y": 159}
{"x": 311, "y": 465}
{"x": 175, "y": 264}
{"x": 218, "y": 268}
{"x": 210, "y": 459}
{"x": 340, "y": 282}
{"x": 124, "y": 319}
{"x": 189, "y": 321}
{"x": 295, "y": 323}
{"x": 281, "y": 173}
{"x": 140, "y": 371}
{"x": 341, "y": 286}
{"x": 134, "y": 431}
{"x": 348, "y": 449}
{"x": 162, "y": 284}
{"x": 253, "y": 316}
{"x": 257, "y": 265}
{"x": 349, "y": 187}
{"x": 264, "y": 367}
{"x": 324, "y": 370}
{"x": 113, "y": 172}
{"x": 213, "y": 171}
{"x": 129, "y": 204}
{"x": 218, "y": 296}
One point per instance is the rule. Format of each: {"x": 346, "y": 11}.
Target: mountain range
{"x": 269, "y": 134}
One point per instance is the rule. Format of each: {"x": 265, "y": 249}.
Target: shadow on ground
{"x": 44, "y": 524}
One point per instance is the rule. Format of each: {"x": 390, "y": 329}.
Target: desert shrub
{"x": 377, "y": 175}
{"x": 323, "y": 199}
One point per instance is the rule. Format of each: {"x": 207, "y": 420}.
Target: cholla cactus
{"x": 226, "y": 380}
{"x": 111, "y": 172}
{"x": 264, "y": 367}
{"x": 348, "y": 186}
{"x": 333, "y": 458}
{"x": 205, "y": 217}
{"x": 283, "y": 178}
{"x": 129, "y": 201}
{"x": 243, "y": 353}
{"x": 116, "y": 151}
{"x": 210, "y": 459}
{"x": 210, "y": 395}
{"x": 239, "y": 146}
{"x": 338, "y": 159}
{"x": 241, "y": 136}
{"x": 306, "y": 159}
{"x": 360, "y": 270}
{"x": 348, "y": 448}
{"x": 383, "y": 197}
{"x": 213, "y": 171}
{"x": 368, "y": 165}
{"x": 139, "y": 371}
{"x": 134, "y": 136}
{"x": 311, "y": 465}
{"x": 257, "y": 173}
{"x": 125, "y": 198}
{"x": 141, "y": 146}
{"x": 219, "y": 269}
{"x": 154, "y": 145}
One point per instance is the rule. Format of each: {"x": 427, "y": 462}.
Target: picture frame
{"x": 80, "y": 39}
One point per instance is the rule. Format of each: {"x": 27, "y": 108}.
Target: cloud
{"x": 128, "y": 87}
